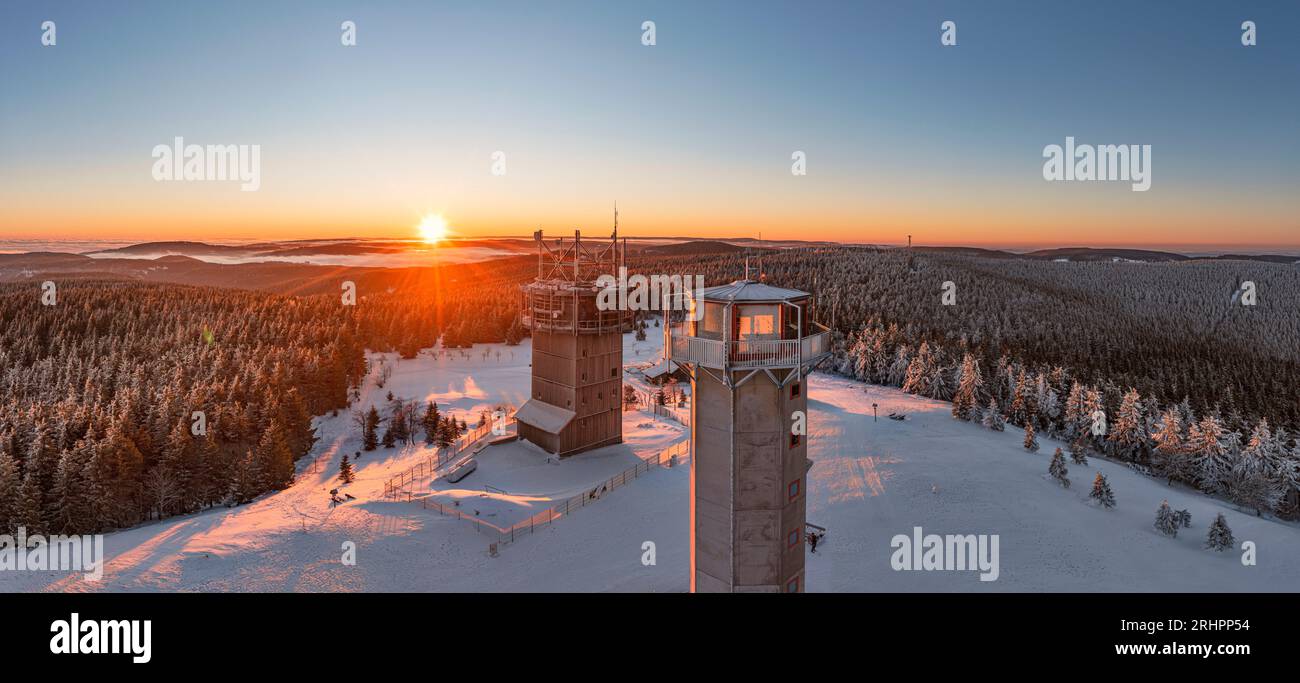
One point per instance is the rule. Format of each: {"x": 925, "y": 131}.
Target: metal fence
{"x": 498, "y": 535}
{"x": 396, "y": 487}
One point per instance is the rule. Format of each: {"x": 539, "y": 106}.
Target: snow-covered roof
{"x": 749, "y": 290}
{"x": 664, "y": 366}
{"x": 544, "y": 416}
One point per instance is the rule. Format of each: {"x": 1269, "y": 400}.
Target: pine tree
{"x": 938, "y": 382}
{"x": 1031, "y": 443}
{"x": 70, "y": 497}
{"x": 397, "y": 423}
{"x": 1047, "y": 404}
{"x": 345, "y": 471}
{"x": 243, "y": 482}
{"x": 1171, "y": 457}
{"x": 1128, "y": 438}
{"x": 178, "y": 458}
{"x": 28, "y": 509}
{"x": 10, "y": 485}
{"x": 1078, "y": 452}
{"x": 1220, "y": 536}
{"x": 1169, "y": 437}
{"x": 390, "y": 438}
{"x": 1020, "y": 411}
{"x": 898, "y": 370}
{"x": 968, "y": 389}
{"x": 1076, "y": 420}
{"x": 274, "y": 461}
{"x": 993, "y": 417}
{"x": 213, "y": 471}
{"x": 430, "y": 423}
{"x": 1167, "y": 522}
{"x": 1058, "y": 470}
{"x": 369, "y": 431}
{"x": 1101, "y": 491}
{"x": 447, "y": 433}
{"x": 1253, "y": 482}
{"x": 1213, "y": 463}
{"x": 918, "y": 370}
{"x": 1092, "y": 405}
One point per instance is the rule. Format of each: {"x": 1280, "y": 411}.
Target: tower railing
{"x": 749, "y": 353}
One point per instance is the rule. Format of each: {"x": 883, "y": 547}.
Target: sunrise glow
{"x": 433, "y": 229}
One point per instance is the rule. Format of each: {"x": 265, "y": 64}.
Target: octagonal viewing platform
{"x": 749, "y": 325}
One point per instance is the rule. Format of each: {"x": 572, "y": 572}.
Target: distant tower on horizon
{"x": 575, "y": 400}
{"x": 748, "y": 355}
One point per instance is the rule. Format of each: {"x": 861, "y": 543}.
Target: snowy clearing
{"x": 870, "y": 481}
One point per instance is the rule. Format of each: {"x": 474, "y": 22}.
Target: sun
{"x": 433, "y": 228}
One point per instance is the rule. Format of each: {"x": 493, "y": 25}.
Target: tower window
{"x": 793, "y": 540}
{"x": 792, "y": 586}
{"x": 794, "y": 390}
{"x": 794, "y": 440}
{"x": 613, "y": 372}
{"x": 793, "y": 489}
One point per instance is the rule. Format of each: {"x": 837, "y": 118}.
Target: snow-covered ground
{"x": 871, "y": 481}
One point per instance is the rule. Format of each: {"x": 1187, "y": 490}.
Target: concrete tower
{"x": 575, "y": 401}
{"x": 748, "y": 353}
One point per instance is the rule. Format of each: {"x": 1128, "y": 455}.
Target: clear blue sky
{"x": 692, "y": 136}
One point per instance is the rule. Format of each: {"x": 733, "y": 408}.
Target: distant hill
{"x": 1270, "y": 258}
{"x": 182, "y": 247}
{"x": 970, "y": 251}
{"x": 1090, "y": 254}
{"x": 693, "y": 247}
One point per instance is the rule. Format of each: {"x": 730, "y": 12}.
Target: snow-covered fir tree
{"x": 1167, "y": 522}
{"x": 896, "y": 374}
{"x": 1058, "y": 469}
{"x": 1021, "y": 408}
{"x": 1213, "y": 463}
{"x": 1031, "y": 443}
{"x": 969, "y": 385}
{"x": 1253, "y": 482}
{"x": 919, "y": 370}
{"x": 993, "y": 417}
{"x": 1048, "y": 404}
{"x": 1075, "y": 419}
{"x": 1219, "y": 537}
{"x": 1171, "y": 455}
{"x": 10, "y": 485}
{"x": 1078, "y": 452}
{"x": 1128, "y": 437}
{"x": 1101, "y": 491}
{"x": 370, "y": 430}
{"x": 938, "y": 383}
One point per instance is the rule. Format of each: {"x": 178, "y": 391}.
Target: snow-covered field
{"x": 871, "y": 481}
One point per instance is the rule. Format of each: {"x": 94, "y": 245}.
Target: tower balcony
{"x": 602, "y": 325}
{"x": 687, "y": 348}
